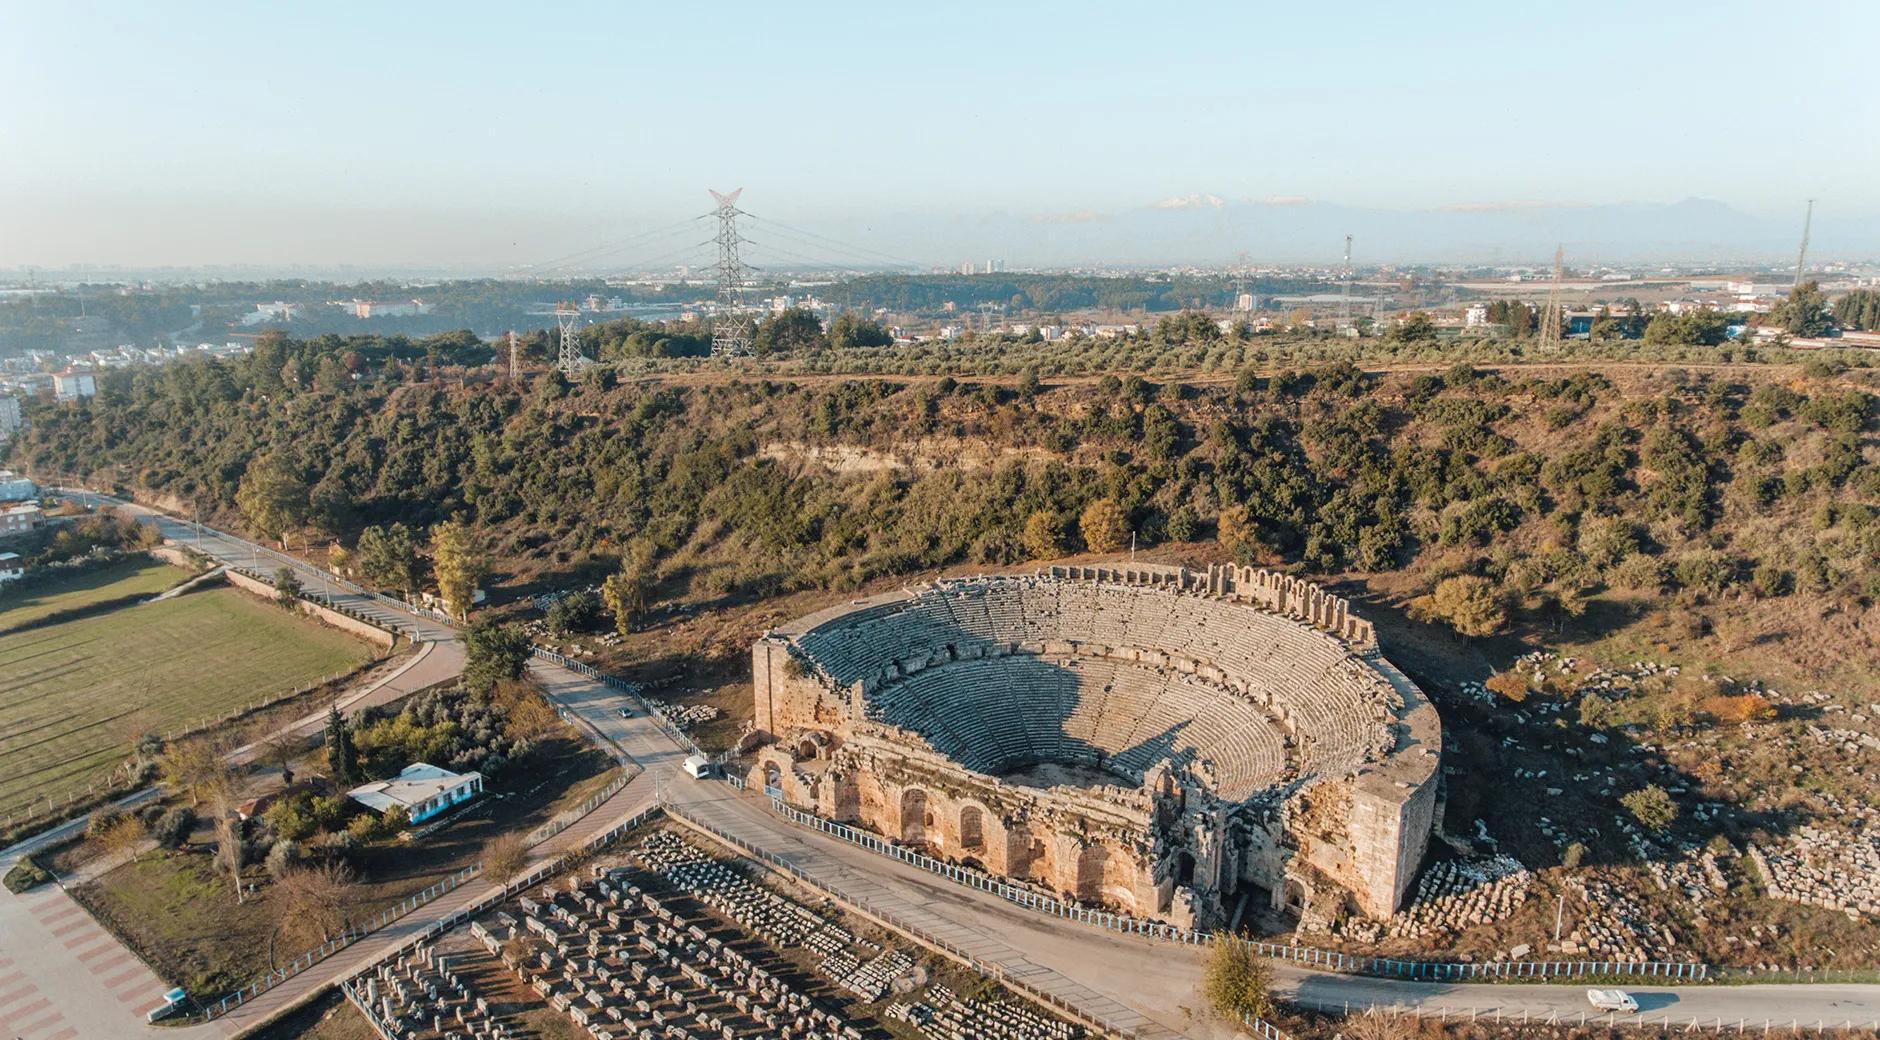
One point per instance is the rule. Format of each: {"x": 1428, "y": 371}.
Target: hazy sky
{"x": 385, "y": 133}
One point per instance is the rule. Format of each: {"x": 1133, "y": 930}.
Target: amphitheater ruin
{"x": 1165, "y": 742}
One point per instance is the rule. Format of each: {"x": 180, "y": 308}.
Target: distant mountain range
{"x": 1210, "y": 229}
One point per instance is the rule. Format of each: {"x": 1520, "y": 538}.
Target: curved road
{"x": 1142, "y": 986}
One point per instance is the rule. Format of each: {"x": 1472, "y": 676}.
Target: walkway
{"x": 63, "y": 977}
{"x": 1145, "y": 985}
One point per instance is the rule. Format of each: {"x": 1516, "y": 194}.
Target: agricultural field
{"x": 124, "y": 579}
{"x": 76, "y": 695}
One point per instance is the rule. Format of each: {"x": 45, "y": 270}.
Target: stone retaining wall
{"x": 370, "y": 633}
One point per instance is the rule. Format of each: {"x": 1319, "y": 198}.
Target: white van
{"x": 1617, "y": 1001}
{"x": 698, "y": 767}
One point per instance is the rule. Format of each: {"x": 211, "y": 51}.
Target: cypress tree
{"x": 339, "y": 749}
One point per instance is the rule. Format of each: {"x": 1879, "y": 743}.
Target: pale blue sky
{"x": 502, "y": 133}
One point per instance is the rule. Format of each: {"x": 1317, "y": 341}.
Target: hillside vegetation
{"x": 1547, "y": 489}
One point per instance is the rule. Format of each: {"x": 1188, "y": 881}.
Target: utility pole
{"x": 1808, "y": 223}
{"x": 1553, "y": 316}
{"x": 1344, "y": 306}
{"x": 731, "y": 331}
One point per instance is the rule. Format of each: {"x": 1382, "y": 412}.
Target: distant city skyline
{"x": 494, "y": 138}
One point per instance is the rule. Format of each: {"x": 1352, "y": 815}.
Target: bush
{"x": 1468, "y": 603}
{"x": 1510, "y": 685}
{"x": 1651, "y": 807}
{"x": 282, "y": 857}
{"x": 575, "y": 612}
{"x": 1236, "y": 981}
{"x": 1573, "y": 855}
{"x": 1737, "y": 710}
{"x": 174, "y": 825}
{"x": 101, "y": 822}
{"x": 1104, "y": 526}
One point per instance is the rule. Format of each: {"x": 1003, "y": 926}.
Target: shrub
{"x": 173, "y": 826}
{"x": 282, "y": 857}
{"x": 575, "y": 612}
{"x": 1737, "y": 710}
{"x": 1510, "y": 685}
{"x": 1236, "y": 982}
{"x": 1573, "y": 855}
{"x": 1103, "y": 525}
{"x": 1468, "y": 603}
{"x": 101, "y": 822}
{"x": 1651, "y": 807}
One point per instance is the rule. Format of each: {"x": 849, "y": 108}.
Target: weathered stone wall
{"x": 1099, "y": 845}
{"x": 370, "y": 633}
{"x": 787, "y": 697}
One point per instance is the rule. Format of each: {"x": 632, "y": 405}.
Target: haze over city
{"x": 485, "y": 138}
{"x": 989, "y": 521}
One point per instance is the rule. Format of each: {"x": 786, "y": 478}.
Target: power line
{"x": 853, "y": 250}
{"x": 603, "y": 249}
{"x": 780, "y": 251}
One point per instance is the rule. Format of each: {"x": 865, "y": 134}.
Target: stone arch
{"x": 1295, "y": 894}
{"x": 1027, "y": 856}
{"x": 1092, "y": 860}
{"x": 1106, "y": 876}
{"x": 773, "y": 775}
{"x": 972, "y": 828}
{"x": 1185, "y": 868}
{"x": 914, "y": 816}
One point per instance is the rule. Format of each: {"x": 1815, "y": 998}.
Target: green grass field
{"x": 74, "y": 696}
{"x": 136, "y": 576}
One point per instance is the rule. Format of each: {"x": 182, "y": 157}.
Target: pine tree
{"x": 339, "y": 748}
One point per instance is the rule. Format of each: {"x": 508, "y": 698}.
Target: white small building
{"x": 70, "y": 386}
{"x": 421, "y": 789}
{"x": 9, "y": 416}
{"x": 15, "y": 488}
{"x": 12, "y": 568}
{"x": 19, "y": 519}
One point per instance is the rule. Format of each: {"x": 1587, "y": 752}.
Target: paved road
{"x": 260, "y": 559}
{"x": 1145, "y": 985}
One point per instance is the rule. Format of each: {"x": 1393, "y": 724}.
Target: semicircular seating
{"x": 1005, "y": 672}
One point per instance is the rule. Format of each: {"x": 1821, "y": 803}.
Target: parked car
{"x": 1617, "y": 1001}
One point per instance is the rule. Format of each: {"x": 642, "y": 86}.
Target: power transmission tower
{"x": 731, "y": 330}
{"x": 515, "y": 357}
{"x": 1553, "y": 316}
{"x": 1807, "y": 224}
{"x": 569, "y": 359}
{"x": 1344, "y": 306}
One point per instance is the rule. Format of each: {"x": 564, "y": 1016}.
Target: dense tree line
{"x": 1545, "y": 487}
{"x": 1859, "y": 310}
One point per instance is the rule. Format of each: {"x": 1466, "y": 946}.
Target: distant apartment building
{"x": 20, "y": 519}
{"x": 278, "y": 311}
{"x": 1476, "y": 316}
{"x": 9, "y": 416}
{"x": 388, "y": 309}
{"x": 15, "y": 488}
{"x": 70, "y": 386}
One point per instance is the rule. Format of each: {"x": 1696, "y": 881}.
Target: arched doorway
{"x": 773, "y": 776}
{"x": 1295, "y": 895}
{"x": 1185, "y": 869}
{"x": 973, "y": 828}
{"x": 1092, "y": 861}
{"x": 914, "y": 816}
